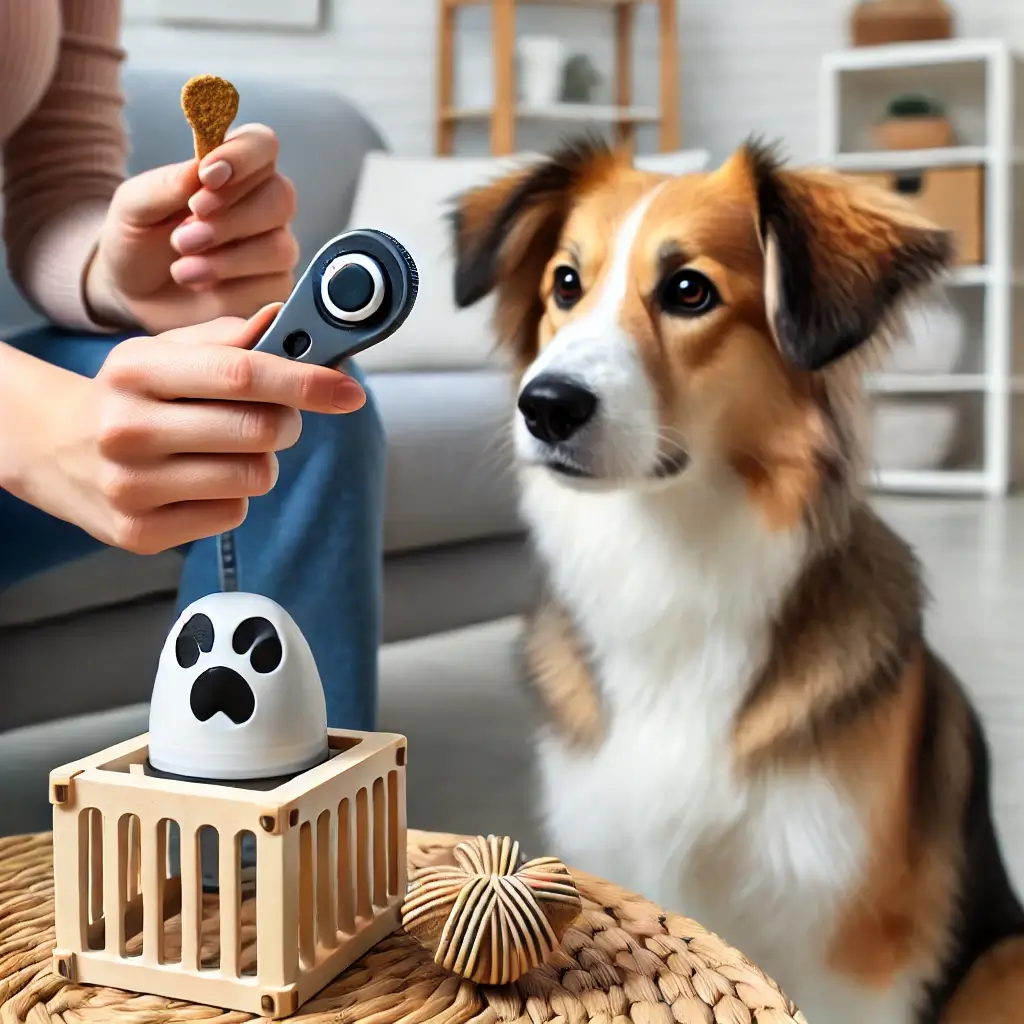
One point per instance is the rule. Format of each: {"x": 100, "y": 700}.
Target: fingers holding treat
{"x": 208, "y": 202}
{"x": 270, "y": 206}
{"x": 273, "y": 252}
{"x": 245, "y": 157}
{"x": 237, "y": 241}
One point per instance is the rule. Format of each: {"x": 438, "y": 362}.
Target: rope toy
{"x": 489, "y": 917}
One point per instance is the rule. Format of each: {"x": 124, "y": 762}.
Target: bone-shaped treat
{"x": 210, "y": 105}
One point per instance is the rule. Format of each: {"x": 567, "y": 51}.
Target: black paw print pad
{"x": 221, "y": 688}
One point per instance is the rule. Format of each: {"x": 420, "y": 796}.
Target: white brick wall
{"x": 747, "y": 65}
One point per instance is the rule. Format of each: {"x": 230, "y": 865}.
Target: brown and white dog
{"x": 745, "y": 722}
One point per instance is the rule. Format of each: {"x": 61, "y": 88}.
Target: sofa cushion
{"x": 102, "y": 580}
{"x": 449, "y": 468}
{"x": 679, "y": 161}
{"x": 410, "y": 199}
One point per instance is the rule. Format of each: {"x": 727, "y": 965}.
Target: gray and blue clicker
{"x": 358, "y": 290}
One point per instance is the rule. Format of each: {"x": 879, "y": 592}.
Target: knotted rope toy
{"x": 210, "y": 105}
{"x": 489, "y": 917}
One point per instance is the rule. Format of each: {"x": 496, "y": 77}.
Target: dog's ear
{"x": 506, "y": 231}
{"x": 841, "y": 258}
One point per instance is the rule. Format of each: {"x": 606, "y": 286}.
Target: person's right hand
{"x": 176, "y": 432}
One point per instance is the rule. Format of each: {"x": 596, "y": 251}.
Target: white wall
{"x": 747, "y": 65}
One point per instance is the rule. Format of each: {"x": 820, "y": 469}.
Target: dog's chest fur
{"x": 674, "y": 599}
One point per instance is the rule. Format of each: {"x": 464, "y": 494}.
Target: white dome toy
{"x": 237, "y": 694}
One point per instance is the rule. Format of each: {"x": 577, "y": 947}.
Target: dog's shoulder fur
{"x": 745, "y": 721}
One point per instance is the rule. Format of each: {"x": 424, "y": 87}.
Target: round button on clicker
{"x": 351, "y": 288}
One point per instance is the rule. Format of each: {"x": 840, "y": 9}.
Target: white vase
{"x": 541, "y": 66}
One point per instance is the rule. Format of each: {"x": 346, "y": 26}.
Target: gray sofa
{"x": 78, "y": 646}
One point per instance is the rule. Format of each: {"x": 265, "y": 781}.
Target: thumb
{"x": 230, "y": 331}
{"x": 257, "y": 325}
{"x": 156, "y": 195}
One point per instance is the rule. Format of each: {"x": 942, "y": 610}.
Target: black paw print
{"x": 221, "y": 688}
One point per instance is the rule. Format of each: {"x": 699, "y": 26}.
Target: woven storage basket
{"x": 622, "y": 961}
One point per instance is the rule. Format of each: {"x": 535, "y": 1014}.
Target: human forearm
{"x": 63, "y": 164}
{"x": 28, "y": 388}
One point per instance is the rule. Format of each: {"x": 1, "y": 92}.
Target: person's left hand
{"x": 189, "y": 242}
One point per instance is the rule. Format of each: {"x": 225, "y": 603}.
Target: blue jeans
{"x": 313, "y": 544}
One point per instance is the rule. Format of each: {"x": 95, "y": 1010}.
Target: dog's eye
{"x": 687, "y": 293}
{"x": 567, "y": 287}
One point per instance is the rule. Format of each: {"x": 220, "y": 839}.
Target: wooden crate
{"x": 950, "y": 197}
{"x": 330, "y": 873}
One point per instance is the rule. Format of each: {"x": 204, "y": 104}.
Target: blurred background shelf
{"x": 507, "y": 109}
{"x": 554, "y": 3}
{"x": 595, "y": 112}
{"x": 924, "y": 383}
{"x": 946, "y": 413}
{"x": 912, "y": 159}
{"x": 909, "y": 481}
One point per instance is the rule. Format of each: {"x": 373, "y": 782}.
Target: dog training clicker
{"x": 358, "y": 291}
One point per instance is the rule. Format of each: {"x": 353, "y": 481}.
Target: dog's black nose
{"x": 554, "y": 407}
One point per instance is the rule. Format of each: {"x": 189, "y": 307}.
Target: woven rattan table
{"x": 623, "y": 961}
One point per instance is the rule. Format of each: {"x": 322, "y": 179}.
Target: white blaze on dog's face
{"x": 668, "y": 328}
{"x": 587, "y": 408}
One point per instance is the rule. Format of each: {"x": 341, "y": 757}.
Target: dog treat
{"x": 489, "y": 917}
{"x": 210, "y": 104}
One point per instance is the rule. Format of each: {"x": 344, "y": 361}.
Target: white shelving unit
{"x": 980, "y": 82}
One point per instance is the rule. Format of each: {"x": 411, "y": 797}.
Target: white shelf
{"x": 931, "y": 481}
{"x": 970, "y": 276}
{"x": 565, "y": 112}
{"x": 984, "y": 80}
{"x": 912, "y": 159}
{"x": 923, "y": 383}
{"x": 914, "y": 55}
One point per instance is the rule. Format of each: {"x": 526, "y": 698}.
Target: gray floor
{"x": 973, "y": 553}
{"x": 469, "y": 770}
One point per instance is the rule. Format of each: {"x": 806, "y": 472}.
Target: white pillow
{"x": 410, "y": 199}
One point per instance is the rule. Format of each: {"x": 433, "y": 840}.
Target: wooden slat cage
{"x": 328, "y": 883}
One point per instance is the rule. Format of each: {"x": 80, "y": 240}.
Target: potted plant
{"x": 913, "y": 121}
{"x": 579, "y": 79}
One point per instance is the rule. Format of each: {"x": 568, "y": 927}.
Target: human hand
{"x": 188, "y": 243}
{"x": 175, "y": 434}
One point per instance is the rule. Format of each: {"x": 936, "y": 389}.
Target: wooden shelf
{"x": 506, "y": 113}
{"x": 563, "y": 112}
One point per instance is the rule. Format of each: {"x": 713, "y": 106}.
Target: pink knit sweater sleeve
{"x": 63, "y": 163}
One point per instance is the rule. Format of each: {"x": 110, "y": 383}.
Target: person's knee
{"x": 352, "y": 445}
{"x": 368, "y": 425}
